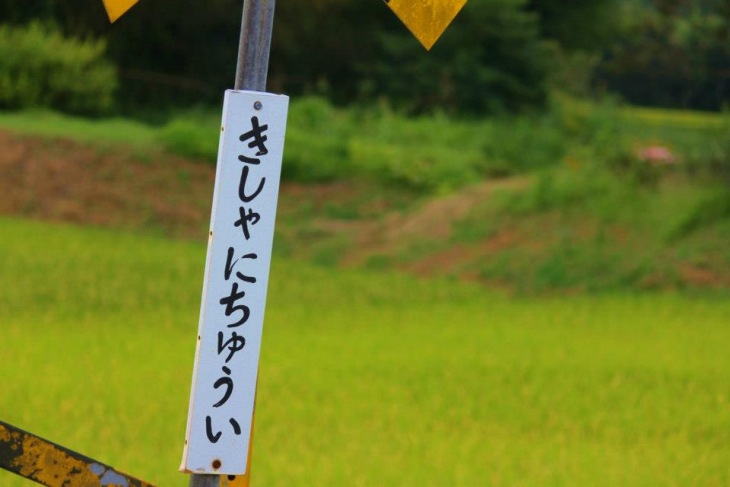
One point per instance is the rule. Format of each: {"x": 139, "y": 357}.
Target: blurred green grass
{"x": 46, "y": 123}
{"x": 431, "y": 154}
{"x": 366, "y": 378}
{"x": 587, "y": 211}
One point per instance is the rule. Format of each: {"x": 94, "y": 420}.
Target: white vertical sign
{"x": 236, "y": 278}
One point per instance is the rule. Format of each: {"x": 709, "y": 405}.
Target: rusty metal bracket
{"x": 52, "y": 465}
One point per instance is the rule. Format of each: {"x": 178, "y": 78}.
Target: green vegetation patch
{"x": 366, "y": 379}
{"x": 582, "y": 197}
{"x": 41, "y": 68}
{"x": 49, "y": 124}
{"x": 433, "y": 154}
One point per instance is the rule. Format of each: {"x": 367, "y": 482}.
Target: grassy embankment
{"x": 366, "y": 378}
{"x": 569, "y": 200}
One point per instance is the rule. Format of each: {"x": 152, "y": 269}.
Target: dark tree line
{"x": 673, "y": 53}
{"x": 497, "y": 56}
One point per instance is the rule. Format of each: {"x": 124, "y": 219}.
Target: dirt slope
{"x": 339, "y": 223}
{"x": 59, "y": 180}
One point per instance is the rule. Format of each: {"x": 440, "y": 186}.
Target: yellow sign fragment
{"x": 426, "y": 19}
{"x": 117, "y": 8}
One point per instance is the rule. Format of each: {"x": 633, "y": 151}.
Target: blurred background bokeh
{"x": 500, "y": 55}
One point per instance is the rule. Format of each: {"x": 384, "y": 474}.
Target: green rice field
{"x": 366, "y": 378}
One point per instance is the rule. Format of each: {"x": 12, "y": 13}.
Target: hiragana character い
{"x": 214, "y": 437}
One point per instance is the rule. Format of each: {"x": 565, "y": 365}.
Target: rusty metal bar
{"x": 52, "y": 465}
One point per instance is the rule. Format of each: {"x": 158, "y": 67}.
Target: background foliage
{"x": 672, "y": 53}
{"x": 41, "y": 68}
{"x": 498, "y": 55}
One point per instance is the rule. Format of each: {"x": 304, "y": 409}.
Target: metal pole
{"x": 199, "y": 480}
{"x": 251, "y": 71}
{"x": 254, "y": 45}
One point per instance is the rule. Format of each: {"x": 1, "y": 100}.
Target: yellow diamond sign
{"x": 426, "y": 19}
{"x": 117, "y": 8}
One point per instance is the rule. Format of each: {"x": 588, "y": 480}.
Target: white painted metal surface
{"x": 236, "y": 279}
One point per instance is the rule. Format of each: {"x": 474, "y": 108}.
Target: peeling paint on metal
{"x": 55, "y": 466}
{"x": 46, "y": 464}
{"x": 4, "y": 435}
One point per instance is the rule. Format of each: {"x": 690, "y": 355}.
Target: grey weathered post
{"x": 254, "y": 45}
{"x": 251, "y": 72}
{"x": 199, "y": 480}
